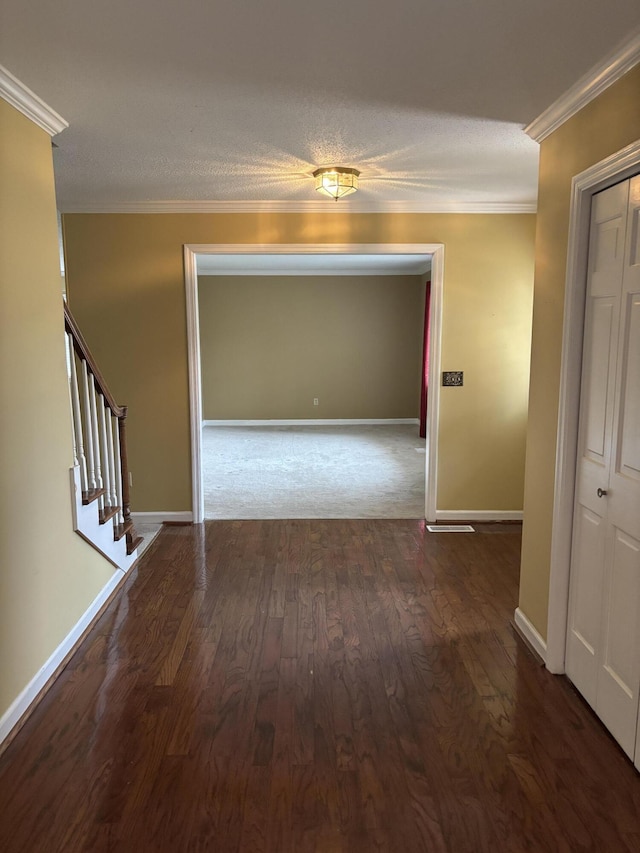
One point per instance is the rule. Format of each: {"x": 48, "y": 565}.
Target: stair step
{"x": 120, "y": 530}
{"x": 132, "y": 543}
{"x": 92, "y": 495}
{"x": 107, "y": 513}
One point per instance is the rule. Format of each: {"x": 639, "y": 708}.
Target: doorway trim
{"x": 436, "y": 250}
{"x": 618, "y": 167}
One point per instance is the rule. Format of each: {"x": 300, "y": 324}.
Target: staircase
{"x": 100, "y": 473}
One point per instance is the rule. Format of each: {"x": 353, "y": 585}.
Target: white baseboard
{"x": 478, "y": 515}
{"x": 31, "y": 693}
{"x": 531, "y": 634}
{"x": 317, "y": 422}
{"x": 159, "y": 517}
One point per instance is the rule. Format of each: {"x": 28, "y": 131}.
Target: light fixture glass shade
{"x": 336, "y": 181}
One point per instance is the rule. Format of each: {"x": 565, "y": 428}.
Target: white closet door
{"x": 603, "y": 645}
{"x": 618, "y": 687}
{"x": 606, "y": 261}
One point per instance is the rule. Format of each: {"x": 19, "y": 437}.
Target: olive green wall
{"x": 48, "y": 575}
{"x": 270, "y": 344}
{"x": 605, "y": 126}
{"x": 125, "y": 281}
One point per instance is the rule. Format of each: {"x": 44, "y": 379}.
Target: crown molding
{"x": 610, "y": 69}
{"x": 29, "y": 104}
{"x": 343, "y": 206}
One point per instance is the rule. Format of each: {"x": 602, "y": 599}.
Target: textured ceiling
{"x": 239, "y": 100}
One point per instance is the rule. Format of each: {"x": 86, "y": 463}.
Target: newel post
{"x": 124, "y": 465}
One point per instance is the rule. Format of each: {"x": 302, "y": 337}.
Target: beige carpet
{"x": 313, "y": 472}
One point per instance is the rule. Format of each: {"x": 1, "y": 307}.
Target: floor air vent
{"x": 450, "y": 528}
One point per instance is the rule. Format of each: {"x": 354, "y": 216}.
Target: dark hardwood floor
{"x": 325, "y": 686}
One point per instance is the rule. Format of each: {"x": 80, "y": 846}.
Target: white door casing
{"x": 436, "y": 250}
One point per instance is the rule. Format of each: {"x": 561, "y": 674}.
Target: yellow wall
{"x": 605, "y": 126}
{"x": 270, "y": 344}
{"x": 126, "y": 286}
{"x": 48, "y": 575}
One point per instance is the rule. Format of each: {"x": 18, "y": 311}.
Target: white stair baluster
{"x": 69, "y": 353}
{"x": 96, "y": 438}
{"x": 77, "y": 416}
{"x": 114, "y": 470}
{"x": 106, "y": 471}
{"x": 116, "y": 441}
{"x": 77, "y": 424}
{"x": 91, "y": 474}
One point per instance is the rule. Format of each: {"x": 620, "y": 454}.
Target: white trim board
{"x": 160, "y": 517}
{"x": 313, "y": 248}
{"x": 531, "y": 635}
{"x": 316, "y": 422}
{"x": 29, "y": 104}
{"x": 33, "y": 692}
{"x": 436, "y": 250}
{"x": 313, "y": 265}
{"x": 479, "y": 515}
{"x": 613, "y": 169}
{"x": 610, "y": 69}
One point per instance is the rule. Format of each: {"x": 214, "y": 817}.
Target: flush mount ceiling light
{"x": 336, "y": 181}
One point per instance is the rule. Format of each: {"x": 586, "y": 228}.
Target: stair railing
{"x": 99, "y": 438}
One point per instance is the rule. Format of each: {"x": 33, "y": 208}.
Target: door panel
{"x": 584, "y": 631}
{"x": 597, "y": 391}
{"x": 628, "y": 460}
{"x": 607, "y": 240}
{"x": 619, "y": 674}
{"x": 634, "y": 223}
{"x": 608, "y": 247}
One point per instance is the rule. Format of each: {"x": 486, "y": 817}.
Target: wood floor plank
{"x": 325, "y": 686}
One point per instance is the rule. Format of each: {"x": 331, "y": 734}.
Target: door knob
{"x": 601, "y": 493}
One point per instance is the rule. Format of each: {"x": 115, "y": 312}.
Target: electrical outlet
{"x": 316, "y": 402}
